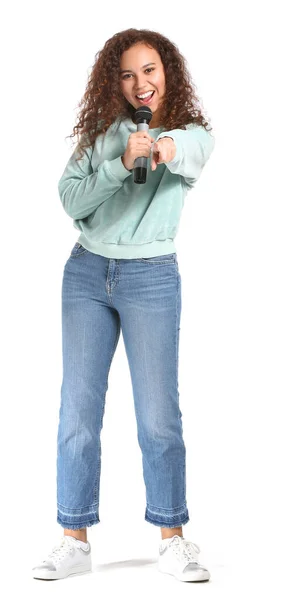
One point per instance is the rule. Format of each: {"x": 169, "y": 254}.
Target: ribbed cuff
{"x": 117, "y": 168}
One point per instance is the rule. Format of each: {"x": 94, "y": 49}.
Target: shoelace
{"x": 184, "y": 549}
{"x": 62, "y": 550}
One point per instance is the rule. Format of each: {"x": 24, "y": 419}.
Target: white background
{"x": 231, "y": 253}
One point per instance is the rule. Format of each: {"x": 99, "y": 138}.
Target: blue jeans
{"x": 99, "y": 297}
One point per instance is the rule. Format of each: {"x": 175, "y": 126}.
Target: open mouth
{"x": 146, "y": 100}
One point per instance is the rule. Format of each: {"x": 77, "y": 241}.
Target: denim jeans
{"x": 99, "y": 297}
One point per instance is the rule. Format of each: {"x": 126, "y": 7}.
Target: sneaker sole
{"x": 195, "y": 577}
{"x": 81, "y": 570}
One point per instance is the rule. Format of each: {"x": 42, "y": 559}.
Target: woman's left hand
{"x": 163, "y": 151}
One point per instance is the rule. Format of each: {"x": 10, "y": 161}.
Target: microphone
{"x": 143, "y": 116}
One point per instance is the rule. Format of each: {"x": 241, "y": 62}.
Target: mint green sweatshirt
{"x": 118, "y": 218}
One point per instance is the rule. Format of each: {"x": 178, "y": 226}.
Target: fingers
{"x": 139, "y": 144}
{"x": 142, "y": 134}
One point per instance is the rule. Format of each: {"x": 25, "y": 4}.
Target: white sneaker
{"x": 179, "y": 557}
{"x": 68, "y": 558}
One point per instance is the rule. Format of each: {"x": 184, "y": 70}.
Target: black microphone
{"x": 143, "y": 116}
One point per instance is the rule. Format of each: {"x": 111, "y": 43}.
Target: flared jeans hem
{"x": 167, "y": 518}
{"x": 77, "y": 518}
{"x": 81, "y": 518}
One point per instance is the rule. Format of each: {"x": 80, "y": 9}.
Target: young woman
{"x": 123, "y": 274}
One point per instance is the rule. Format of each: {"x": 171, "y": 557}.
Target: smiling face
{"x": 141, "y": 71}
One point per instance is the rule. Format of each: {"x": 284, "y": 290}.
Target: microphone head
{"x": 143, "y": 113}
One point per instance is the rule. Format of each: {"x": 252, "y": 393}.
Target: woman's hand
{"x": 139, "y": 144}
{"x": 163, "y": 151}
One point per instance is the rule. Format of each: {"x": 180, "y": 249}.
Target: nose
{"x": 140, "y": 84}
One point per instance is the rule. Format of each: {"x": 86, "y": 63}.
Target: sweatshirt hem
{"x": 129, "y": 251}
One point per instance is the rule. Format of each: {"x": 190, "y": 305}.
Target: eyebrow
{"x": 129, "y": 70}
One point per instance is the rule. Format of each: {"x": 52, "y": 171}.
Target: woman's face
{"x": 139, "y": 77}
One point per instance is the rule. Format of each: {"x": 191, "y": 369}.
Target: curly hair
{"x": 102, "y": 103}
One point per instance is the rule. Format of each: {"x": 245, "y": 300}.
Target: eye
{"x": 128, "y": 74}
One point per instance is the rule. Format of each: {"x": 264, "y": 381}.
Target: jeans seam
{"x": 102, "y": 411}
{"x": 166, "y": 510}
{"x": 156, "y": 262}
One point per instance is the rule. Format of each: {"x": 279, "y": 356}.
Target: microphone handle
{"x": 140, "y": 163}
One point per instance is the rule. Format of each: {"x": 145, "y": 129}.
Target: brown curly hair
{"x": 102, "y": 103}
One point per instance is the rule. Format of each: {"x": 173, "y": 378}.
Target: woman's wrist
{"x": 125, "y": 165}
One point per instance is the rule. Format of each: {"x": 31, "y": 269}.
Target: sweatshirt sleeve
{"x": 82, "y": 189}
{"x": 193, "y": 149}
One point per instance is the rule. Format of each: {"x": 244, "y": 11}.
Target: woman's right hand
{"x": 139, "y": 144}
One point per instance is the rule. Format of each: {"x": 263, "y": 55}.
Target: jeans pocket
{"x": 78, "y": 250}
{"x": 164, "y": 259}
